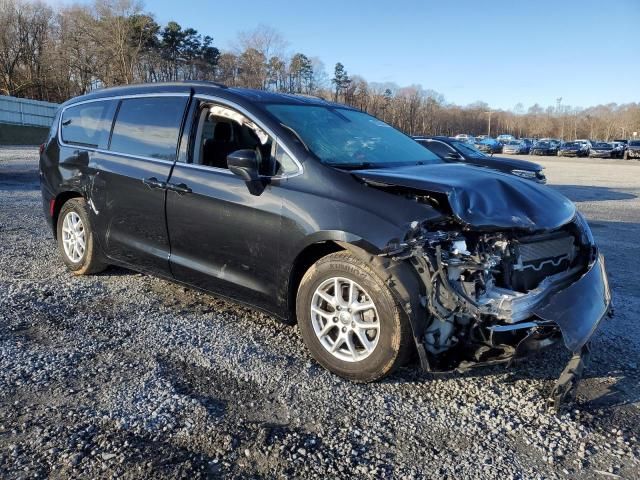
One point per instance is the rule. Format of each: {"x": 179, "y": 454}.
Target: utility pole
{"x": 559, "y": 112}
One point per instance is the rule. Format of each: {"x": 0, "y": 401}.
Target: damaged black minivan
{"x": 322, "y": 214}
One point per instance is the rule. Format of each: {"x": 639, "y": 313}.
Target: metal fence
{"x": 21, "y": 111}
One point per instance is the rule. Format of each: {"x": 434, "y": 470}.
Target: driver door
{"x": 224, "y": 239}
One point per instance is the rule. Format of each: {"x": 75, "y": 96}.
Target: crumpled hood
{"x": 481, "y": 198}
{"x": 503, "y": 163}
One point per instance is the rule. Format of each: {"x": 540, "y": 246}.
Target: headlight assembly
{"x": 524, "y": 173}
{"x": 585, "y": 230}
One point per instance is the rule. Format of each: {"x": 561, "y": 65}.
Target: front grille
{"x": 538, "y": 257}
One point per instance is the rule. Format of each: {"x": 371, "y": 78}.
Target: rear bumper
{"x": 46, "y": 208}
{"x": 600, "y": 155}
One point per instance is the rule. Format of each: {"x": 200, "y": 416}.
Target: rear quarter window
{"x": 148, "y": 127}
{"x": 87, "y": 124}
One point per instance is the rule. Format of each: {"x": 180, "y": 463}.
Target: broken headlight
{"x": 586, "y": 237}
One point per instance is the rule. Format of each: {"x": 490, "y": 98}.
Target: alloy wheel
{"x": 345, "y": 319}
{"x": 73, "y": 237}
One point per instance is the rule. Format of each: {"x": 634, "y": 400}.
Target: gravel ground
{"x": 125, "y": 375}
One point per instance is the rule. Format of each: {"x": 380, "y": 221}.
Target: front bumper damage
{"x": 567, "y": 306}
{"x": 578, "y": 311}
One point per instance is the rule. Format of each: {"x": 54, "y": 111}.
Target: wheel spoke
{"x": 362, "y": 325}
{"x": 322, "y": 313}
{"x": 361, "y": 307}
{"x": 330, "y": 300}
{"x": 351, "y": 346}
{"x": 337, "y": 344}
{"x": 362, "y": 337}
{"x": 352, "y": 288}
{"x": 326, "y": 329}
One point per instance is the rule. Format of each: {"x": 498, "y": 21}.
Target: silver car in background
{"x": 515, "y": 147}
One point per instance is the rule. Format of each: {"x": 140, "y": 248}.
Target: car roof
{"x": 244, "y": 95}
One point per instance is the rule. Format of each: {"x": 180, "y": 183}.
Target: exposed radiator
{"x": 539, "y": 257}
{"x": 536, "y": 253}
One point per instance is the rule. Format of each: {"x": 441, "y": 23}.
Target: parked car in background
{"x": 327, "y": 217}
{"x": 586, "y": 143}
{"x": 489, "y": 145}
{"x": 618, "y": 149}
{"x": 464, "y": 137}
{"x": 573, "y": 149}
{"x": 517, "y": 147}
{"x": 601, "y": 150}
{"x": 633, "y": 149}
{"x": 544, "y": 147}
{"x": 452, "y": 150}
{"x": 504, "y": 138}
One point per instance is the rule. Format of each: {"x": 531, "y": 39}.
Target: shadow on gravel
{"x": 114, "y": 271}
{"x": 581, "y": 193}
{"x": 220, "y": 393}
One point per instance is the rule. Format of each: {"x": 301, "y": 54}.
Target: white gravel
{"x": 126, "y": 375}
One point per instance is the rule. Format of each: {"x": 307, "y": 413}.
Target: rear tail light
{"x": 41, "y": 148}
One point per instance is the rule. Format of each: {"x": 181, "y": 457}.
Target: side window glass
{"x": 439, "y": 149}
{"x": 88, "y": 124}
{"x": 284, "y": 163}
{"x": 149, "y": 127}
{"x": 221, "y": 131}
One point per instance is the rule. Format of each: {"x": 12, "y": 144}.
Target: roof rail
{"x": 306, "y": 95}
{"x": 205, "y": 83}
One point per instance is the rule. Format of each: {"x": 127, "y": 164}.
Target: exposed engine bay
{"x": 482, "y": 289}
{"x": 509, "y": 269}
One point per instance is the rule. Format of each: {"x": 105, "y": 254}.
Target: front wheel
{"x": 75, "y": 239}
{"x": 350, "y": 321}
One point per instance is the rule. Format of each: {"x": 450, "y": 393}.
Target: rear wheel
{"x": 349, "y": 319}
{"x": 75, "y": 239}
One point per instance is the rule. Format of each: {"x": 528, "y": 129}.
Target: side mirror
{"x": 244, "y": 164}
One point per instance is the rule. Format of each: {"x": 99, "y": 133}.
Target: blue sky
{"x": 500, "y": 52}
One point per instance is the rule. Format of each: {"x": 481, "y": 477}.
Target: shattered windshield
{"x": 350, "y": 139}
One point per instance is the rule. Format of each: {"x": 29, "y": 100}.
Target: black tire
{"x": 90, "y": 261}
{"x": 394, "y": 340}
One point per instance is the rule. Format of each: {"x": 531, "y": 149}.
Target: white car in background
{"x": 586, "y": 143}
{"x": 464, "y": 137}
{"x": 504, "y": 138}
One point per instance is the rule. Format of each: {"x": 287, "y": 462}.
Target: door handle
{"x": 180, "y": 188}
{"x": 153, "y": 182}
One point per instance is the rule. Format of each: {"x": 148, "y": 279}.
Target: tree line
{"x": 55, "y": 53}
